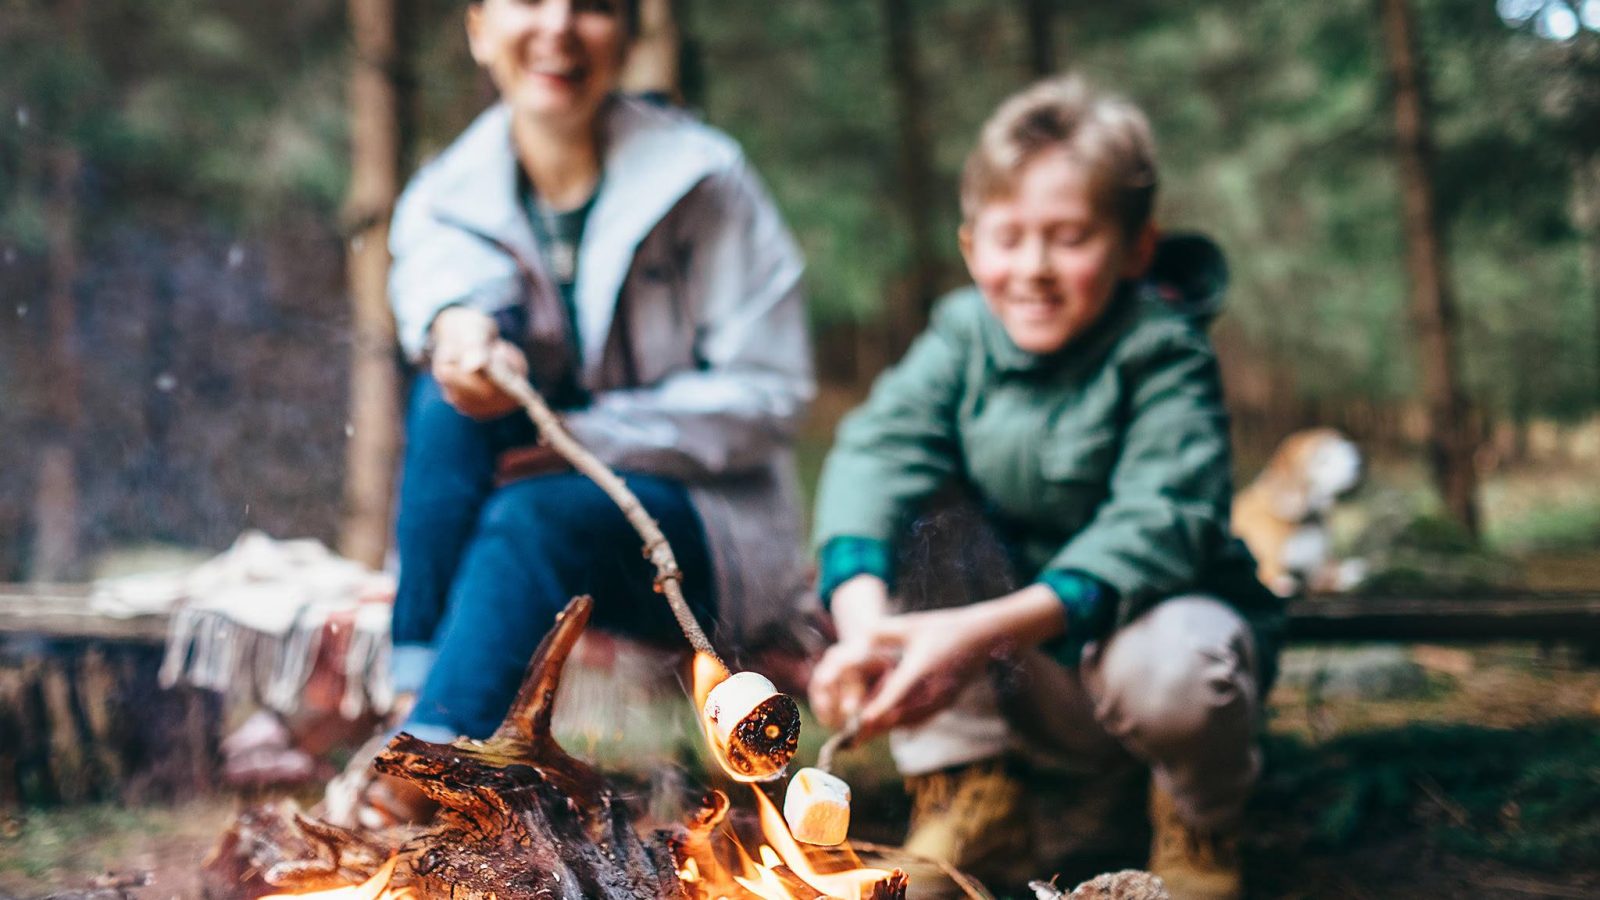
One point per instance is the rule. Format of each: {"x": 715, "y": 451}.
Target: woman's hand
{"x": 464, "y": 343}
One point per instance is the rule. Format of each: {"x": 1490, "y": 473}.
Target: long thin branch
{"x": 843, "y": 739}
{"x": 669, "y": 577}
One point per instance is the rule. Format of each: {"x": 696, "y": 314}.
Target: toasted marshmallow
{"x": 756, "y": 729}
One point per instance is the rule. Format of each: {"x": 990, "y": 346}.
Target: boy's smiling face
{"x": 1046, "y": 259}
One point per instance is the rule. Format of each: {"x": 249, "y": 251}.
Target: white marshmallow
{"x": 817, "y": 807}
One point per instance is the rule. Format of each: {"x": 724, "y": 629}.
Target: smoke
{"x": 951, "y": 556}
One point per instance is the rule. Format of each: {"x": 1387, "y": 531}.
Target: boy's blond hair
{"x": 1109, "y": 136}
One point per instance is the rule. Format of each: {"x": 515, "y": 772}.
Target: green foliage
{"x": 1411, "y": 547}
{"x": 1529, "y": 796}
{"x": 1275, "y": 126}
{"x": 1273, "y": 118}
{"x": 230, "y": 109}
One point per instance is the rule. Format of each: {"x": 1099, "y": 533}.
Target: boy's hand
{"x": 857, "y": 605}
{"x": 899, "y": 670}
{"x": 843, "y": 678}
{"x": 464, "y": 341}
{"x": 938, "y": 653}
{"x": 902, "y": 670}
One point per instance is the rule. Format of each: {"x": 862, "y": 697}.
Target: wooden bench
{"x": 81, "y": 716}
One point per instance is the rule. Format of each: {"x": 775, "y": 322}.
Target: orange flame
{"x": 835, "y": 871}
{"x": 843, "y": 876}
{"x": 374, "y": 888}
{"x": 708, "y": 673}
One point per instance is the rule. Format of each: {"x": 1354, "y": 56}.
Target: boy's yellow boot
{"x": 971, "y": 817}
{"x": 1195, "y": 864}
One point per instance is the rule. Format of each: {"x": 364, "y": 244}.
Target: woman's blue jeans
{"x": 484, "y": 569}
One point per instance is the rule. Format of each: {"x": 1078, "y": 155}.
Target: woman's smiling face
{"x": 554, "y": 61}
{"x": 1046, "y": 258}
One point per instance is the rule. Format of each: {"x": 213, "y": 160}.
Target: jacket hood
{"x": 1188, "y": 275}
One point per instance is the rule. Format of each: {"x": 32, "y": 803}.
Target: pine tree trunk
{"x": 375, "y": 152}
{"x": 1586, "y": 217}
{"x": 918, "y": 187}
{"x": 1451, "y": 443}
{"x": 1040, "y": 18}
{"x": 57, "y": 549}
{"x": 653, "y": 61}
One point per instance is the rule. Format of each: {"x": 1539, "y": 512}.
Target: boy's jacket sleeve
{"x": 1165, "y": 518}
{"x": 899, "y": 447}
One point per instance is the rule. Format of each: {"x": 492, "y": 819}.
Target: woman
{"x": 626, "y": 258}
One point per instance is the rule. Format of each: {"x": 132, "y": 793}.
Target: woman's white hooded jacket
{"x": 692, "y": 337}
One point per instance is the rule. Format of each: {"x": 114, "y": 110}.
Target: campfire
{"x": 519, "y": 817}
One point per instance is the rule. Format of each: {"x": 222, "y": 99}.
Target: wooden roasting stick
{"x": 756, "y": 727}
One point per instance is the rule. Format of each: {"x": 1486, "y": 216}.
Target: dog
{"x": 1281, "y": 516}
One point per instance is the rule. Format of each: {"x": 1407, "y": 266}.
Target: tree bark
{"x": 1586, "y": 218}
{"x": 1040, "y": 16}
{"x": 57, "y": 552}
{"x": 918, "y": 187}
{"x": 1450, "y": 441}
{"x": 654, "y": 60}
{"x": 375, "y": 152}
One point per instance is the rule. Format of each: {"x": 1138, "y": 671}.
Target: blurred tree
{"x": 1451, "y": 440}
{"x": 376, "y": 152}
{"x": 1586, "y": 215}
{"x": 910, "y": 302}
{"x": 57, "y": 173}
{"x": 657, "y": 55}
{"x": 1040, "y": 16}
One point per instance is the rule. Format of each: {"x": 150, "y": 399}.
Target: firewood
{"x": 797, "y": 886}
{"x": 519, "y": 818}
{"x": 891, "y": 888}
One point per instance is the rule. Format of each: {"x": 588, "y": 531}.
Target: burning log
{"x": 519, "y": 818}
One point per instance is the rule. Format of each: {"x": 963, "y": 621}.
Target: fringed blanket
{"x": 278, "y": 622}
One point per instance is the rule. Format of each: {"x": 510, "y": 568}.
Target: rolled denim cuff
{"x": 1090, "y": 606}
{"x": 433, "y": 734}
{"x": 409, "y": 665}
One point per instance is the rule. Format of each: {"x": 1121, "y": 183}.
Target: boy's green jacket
{"x": 1109, "y": 458}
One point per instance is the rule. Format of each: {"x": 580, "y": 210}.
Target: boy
{"x": 1084, "y": 412}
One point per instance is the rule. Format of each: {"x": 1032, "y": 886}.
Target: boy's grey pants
{"x": 1176, "y": 688}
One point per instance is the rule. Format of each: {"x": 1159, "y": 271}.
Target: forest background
{"x": 177, "y": 213}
